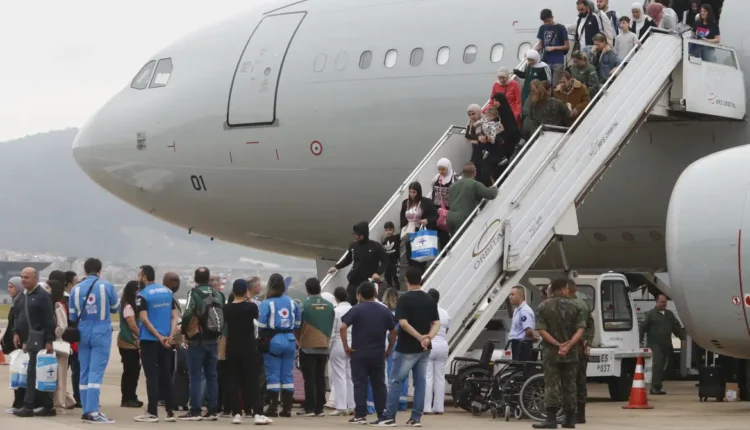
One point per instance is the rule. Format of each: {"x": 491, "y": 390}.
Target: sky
{"x": 62, "y": 60}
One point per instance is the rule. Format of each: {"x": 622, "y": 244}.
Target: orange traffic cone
{"x": 2, "y": 359}
{"x": 638, "y": 398}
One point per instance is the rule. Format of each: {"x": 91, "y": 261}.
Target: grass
{"x": 5, "y": 307}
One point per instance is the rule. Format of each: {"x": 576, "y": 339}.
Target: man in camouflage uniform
{"x": 583, "y": 351}
{"x": 658, "y": 324}
{"x": 561, "y": 324}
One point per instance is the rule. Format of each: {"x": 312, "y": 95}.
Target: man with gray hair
{"x": 34, "y": 331}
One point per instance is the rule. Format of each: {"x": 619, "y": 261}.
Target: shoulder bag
{"x": 71, "y": 334}
{"x": 35, "y": 341}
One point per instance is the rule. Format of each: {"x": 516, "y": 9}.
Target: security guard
{"x": 279, "y": 318}
{"x": 659, "y": 324}
{"x": 522, "y": 328}
{"x": 583, "y": 352}
{"x": 561, "y": 325}
{"x": 91, "y": 303}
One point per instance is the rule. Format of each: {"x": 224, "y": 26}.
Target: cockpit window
{"x": 162, "y": 73}
{"x": 140, "y": 82}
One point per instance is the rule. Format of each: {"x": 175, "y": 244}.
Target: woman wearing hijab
{"x": 535, "y": 69}
{"x": 511, "y": 133}
{"x": 15, "y": 290}
{"x": 441, "y": 197}
{"x": 640, "y": 22}
{"x": 417, "y": 211}
{"x": 510, "y": 89}
{"x": 62, "y": 399}
{"x": 472, "y": 135}
{"x": 664, "y": 17}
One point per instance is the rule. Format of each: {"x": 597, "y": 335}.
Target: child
{"x": 392, "y": 246}
{"x": 626, "y": 40}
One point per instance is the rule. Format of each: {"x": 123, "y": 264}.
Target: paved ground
{"x": 678, "y": 410}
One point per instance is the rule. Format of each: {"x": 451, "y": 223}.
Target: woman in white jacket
{"x": 62, "y": 398}
{"x": 434, "y": 398}
{"x": 342, "y": 387}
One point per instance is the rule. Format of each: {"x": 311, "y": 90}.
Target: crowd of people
{"x": 555, "y": 92}
{"x": 232, "y": 347}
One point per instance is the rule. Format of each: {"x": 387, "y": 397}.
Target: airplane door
{"x": 252, "y": 98}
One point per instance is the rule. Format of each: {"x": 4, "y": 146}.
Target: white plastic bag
{"x": 46, "y": 372}
{"x": 424, "y": 245}
{"x": 19, "y": 361}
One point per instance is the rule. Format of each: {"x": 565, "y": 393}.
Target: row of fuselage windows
{"x": 153, "y": 75}
{"x": 442, "y": 57}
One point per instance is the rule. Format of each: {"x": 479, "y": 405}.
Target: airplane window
{"x": 140, "y": 82}
{"x": 497, "y": 53}
{"x": 522, "y": 50}
{"x": 162, "y": 73}
{"x": 320, "y": 62}
{"x": 443, "y": 55}
{"x": 341, "y": 61}
{"x": 416, "y": 57}
{"x": 617, "y": 313}
{"x": 365, "y": 60}
{"x": 390, "y": 58}
{"x": 470, "y": 54}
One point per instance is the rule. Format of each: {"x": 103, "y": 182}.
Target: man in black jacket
{"x": 35, "y": 313}
{"x": 369, "y": 258}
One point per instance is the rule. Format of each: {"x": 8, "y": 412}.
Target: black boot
{"x": 570, "y": 420}
{"x": 273, "y": 404}
{"x": 581, "y": 414}
{"x": 287, "y": 401}
{"x": 550, "y": 422}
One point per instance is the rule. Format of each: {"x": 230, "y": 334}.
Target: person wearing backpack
{"x": 202, "y": 325}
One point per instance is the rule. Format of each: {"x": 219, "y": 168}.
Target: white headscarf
{"x": 477, "y": 109}
{"x": 533, "y": 54}
{"x": 642, "y": 19}
{"x": 444, "y": 162}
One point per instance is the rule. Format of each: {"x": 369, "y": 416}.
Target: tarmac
{"x": 680, "y": 409}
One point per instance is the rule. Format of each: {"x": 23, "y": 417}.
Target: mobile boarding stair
{"x": 554, "y": 172}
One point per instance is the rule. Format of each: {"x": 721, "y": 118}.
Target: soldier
{"x": 561, "y": 325}
{"x": 583, "y": 351}
{"x": 659, "y": 324}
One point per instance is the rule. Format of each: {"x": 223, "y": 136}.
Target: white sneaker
{"x": 146, "y": 418}
{"x": 261, "y": 420}
{"x": 338, "y": 413}
{"x": 10, "y": 411}
{"x": 170, "y": 418}
{"x": 237, "y": 419}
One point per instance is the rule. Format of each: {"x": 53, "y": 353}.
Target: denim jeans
{"x": 203, "y": 359}
{"x": 402, "y": 365}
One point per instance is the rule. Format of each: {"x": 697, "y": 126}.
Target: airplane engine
{"x": 708, "y": 251}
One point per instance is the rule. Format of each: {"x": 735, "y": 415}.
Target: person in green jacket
{"x": 465, "y": 195}
{"x": 583, "y": 352}
{"x": 536, "y": 69}
{"x": 658, "y": 325}
{"x": 584, "y": 72}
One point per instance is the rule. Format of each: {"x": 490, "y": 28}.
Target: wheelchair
{"x": 507, "y": 388}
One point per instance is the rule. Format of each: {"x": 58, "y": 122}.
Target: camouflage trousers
{"x": 581, "y": 389}
{"x": 560, "y": 385}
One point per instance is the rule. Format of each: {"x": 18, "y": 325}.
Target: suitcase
{"x": 181, "y": 380}
{"x": 712, "y": 383}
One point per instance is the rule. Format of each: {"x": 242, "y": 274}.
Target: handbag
{"x": 442, "y": 221}
{"x": 61, "y": 347}
{"x": 424, "y": 245}
{"x": 35, "y": 342}
{"x": 71, "y": 333}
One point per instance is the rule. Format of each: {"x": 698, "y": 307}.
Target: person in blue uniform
{"x": 155, "y": 305}
{"x": 279, "y": 317}
{"x": 92, "y": 302}
{"x": 522, "y": 334}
